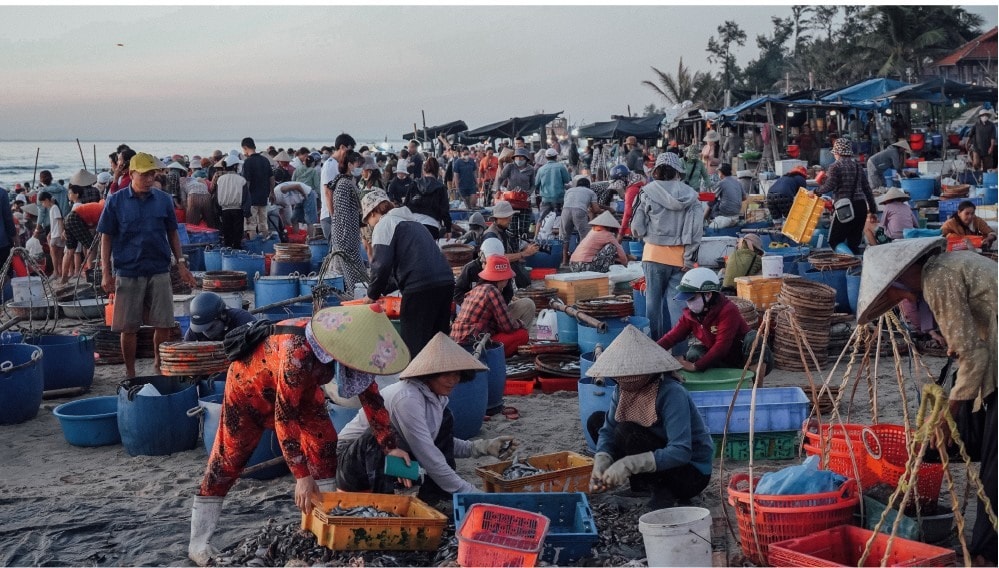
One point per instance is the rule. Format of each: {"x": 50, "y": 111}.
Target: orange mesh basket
{"x": 844, "y": 546}
{"x": 843, "y": 455}
{"x": 783, "y": 517}
{"x": 492, "y": 535}
{"x": 887, "y": 455}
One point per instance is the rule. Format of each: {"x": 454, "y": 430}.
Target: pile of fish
{"x": 519, "y": 469}
{"x": 366, "y": 512}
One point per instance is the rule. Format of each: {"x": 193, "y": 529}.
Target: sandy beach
{"x": 64, "y": 505}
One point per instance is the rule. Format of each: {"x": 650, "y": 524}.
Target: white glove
{"x": 499, "y": 447}
{"x": 601, "y": 462}
{"x": 624, "y": 468}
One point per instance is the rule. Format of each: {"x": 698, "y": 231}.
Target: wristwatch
{"x": 181, "y": 260}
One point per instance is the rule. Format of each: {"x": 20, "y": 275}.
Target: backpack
{"x": 240, "y": 341}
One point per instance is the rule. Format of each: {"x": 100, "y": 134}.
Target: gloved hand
{"x": 499, "y": 447}
{"x": 601, "y": 462}
{"x": 624, "y": 468}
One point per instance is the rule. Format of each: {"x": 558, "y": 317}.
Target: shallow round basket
{"x": 32, "y": 310}
{"x": 90, "y": 422}
{"x": 458, "y": 255}
{"x": 83, "y": 309}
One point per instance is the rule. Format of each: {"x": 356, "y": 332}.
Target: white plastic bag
{"x": 547, "y": 326}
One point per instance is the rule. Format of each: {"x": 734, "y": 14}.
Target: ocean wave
{"x": 14, "y": 169}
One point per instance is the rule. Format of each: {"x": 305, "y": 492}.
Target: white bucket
{"x": 28, "y": 289}
{"x": 773, "y": 265}
{"x": 232, "y": 299}
{"x": 678, "y": 536}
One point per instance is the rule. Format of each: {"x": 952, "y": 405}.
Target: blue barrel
{"x": 195, "y": 258}
{"x": 21, "y": 382}
{"x": 551, "y": 259}
{"x": 590, "y": 337}
{"x": 635, "y": 249}
{"x": 638, "y": 298}
{"x": 918, "y": 188}
{"x": 272, "y": 289}
{"x": 268, "y": 447}
{"x": 568, "y": 328}
{"x": 592, "y": 397}
{"x": 253, "y": 246}
{"x": 10, "y": 337}
{"x": 90, "y": 422}
{"x": 493, "y": 358}
{"x": 182, "y": 234}
{"x": 213, "y": 384}
{"x": 251, "y": 264}
{"x": 320, "y": 248}
{"x": 283, "y": 268}
{"x": 213, "y": 260}
{"x": 836, "y": 279}
{"x": 157, "y": 425}
{"x": 991, "y": 196}
{"x": 468, "y": 402}
{"x": 69, "y": 360}
{"x": 307, "y": 283}
{"x": 852, "y": 290}
{"x": 990, "y": 178}
{"x": 184, "y": 322}
{"x": 341, "y": 415}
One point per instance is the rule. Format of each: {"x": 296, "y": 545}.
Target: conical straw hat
{"x": 883, "y": 265}
{"x": 362, "y": 338}
{"x": 633, "y": 353}
{"x": 441, "y": 355}
{"x": 606, "y": 219}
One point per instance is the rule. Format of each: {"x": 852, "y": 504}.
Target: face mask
{"x": 356, "y": 172}
{"x": 696, "y": 304}
{"x": 215, "y": 330}
{"x": 521, "y": 162}
{"x": 984, "y": 119}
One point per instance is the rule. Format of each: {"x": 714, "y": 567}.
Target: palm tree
{"x": 675, "y": 89}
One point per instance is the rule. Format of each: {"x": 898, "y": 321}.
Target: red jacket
{"x": 721, "y": 330}
{"x": 630, "y": 193}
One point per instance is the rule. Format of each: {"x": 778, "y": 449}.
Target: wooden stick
{"x": 63, "y": 393}
{"x": 262, "y": 465}
{"x": 95, "y": 158}
{"x": 570, "y": 311}
{"x": 289, "y": 301}
{"x": 37, "y": 151}
{"x": 82, "y": 159}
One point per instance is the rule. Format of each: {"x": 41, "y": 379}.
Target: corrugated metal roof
{"x": 984, "y": 46}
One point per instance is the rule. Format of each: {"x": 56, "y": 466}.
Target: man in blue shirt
{"x": 139, "y": 231}
{"x": 550, "y": 181}
{"x": 465, "y": 169}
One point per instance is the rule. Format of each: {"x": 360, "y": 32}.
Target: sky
{"x": 310, "y": 72}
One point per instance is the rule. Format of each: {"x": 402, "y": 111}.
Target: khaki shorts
{"x": 143, "y": 300}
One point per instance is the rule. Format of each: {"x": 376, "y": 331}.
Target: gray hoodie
{"x": 668, "y": 213}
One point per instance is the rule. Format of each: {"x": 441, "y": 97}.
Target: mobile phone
{"x": 396, "y": 467}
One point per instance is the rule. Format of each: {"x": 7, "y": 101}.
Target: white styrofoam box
{"x": 712, "y": 249}
{"x": 744, "y": 173}
{"x": 931, "y": 167}
{"x": 987, "y": 212}
{"x": 785, "y": 166}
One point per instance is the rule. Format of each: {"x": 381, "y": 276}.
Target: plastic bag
{"x": 804, "y": 479}
{"x": 547, "y": 325}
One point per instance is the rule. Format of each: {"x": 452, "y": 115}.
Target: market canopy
{"x": 939, "y": 90}
{"x": 621, "y": 127}
{"x": 442, "y": 129}
{"x": 864, "y": 91}
{"x": 513, "y": 127}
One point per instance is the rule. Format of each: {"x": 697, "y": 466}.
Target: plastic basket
{"x": 957, "y": 242}
{"x": 565, "y": 471}
{"x": 766, "y": 446}
{"x": 844, "y": 546}
{"x": 418, "y": 526}
{"x": 572, "y": 531}
{"x": 516, "y": 387}
{"x": 804, "y": 217}
{"x": 550, "y": 385}
{"x": 760, "y": 290}
{"x": 778, "y": 409}
{"x": 842, "y": 455}
{"x": 887, "y": 454}
{"x": 782, "y": 517}
{"x": 492, "y": 535}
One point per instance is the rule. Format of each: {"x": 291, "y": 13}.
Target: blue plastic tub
{"x": 195, "y": 258}
{"x": 837, "y": 280}
{"x": 635, "y": 249}
{"x": 990, "y": 178}
{"x": 551, "y": 259}
{"x": 589, "y": 337}
{"x": 918, "y": 188}
{"x": 778, "y": 409}
{"x": 21, "y": 382}
{"x": 991, "y": 196}
{"x": 10, "y": 337}
{"x": 592, "y": 397}
{"x": 68, "y": 362}
{"x": 213, "y": 260}
{"x": 184, "y": 322}
{"x": 568, "y": 328}
{"x": 493, "y": 358}
{"x": 307, "y": 283}
{"x": 90, "y": 422}
{"x": 320, "y": 248}
{"x": 268, "y": 447}
{"x": 572, "y": 532}
{"x": 182, "y": 234}
{"x": 638, "y": 301}
{"x": 468, "y": 403}
{"x": 271, "y": 289}
{"x": 157, "y": 425}
{"x": 281, "y": 268}
{"x": 213, "y": 384}
{"x": 250, "y": 264}
{"x": 852, "y": 290}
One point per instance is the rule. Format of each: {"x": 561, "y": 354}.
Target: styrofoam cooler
{"x": 785, "y": 166}
{"x": 712, "y": 251}
{"x": 773, "y": 266}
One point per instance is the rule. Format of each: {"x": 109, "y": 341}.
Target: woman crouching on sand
{"x": 278, "y": 385}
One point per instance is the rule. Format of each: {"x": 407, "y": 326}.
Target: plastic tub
{"x": 68, "y": 362}
{"x": 592, "y": 397}
{"x": 918, "y": 188}
{"x": 835, "y": 279}
{"x": 90, "y": 422}
{"x": 493, "y": 358}
{"x": 715, "y": 379}
{"x": 283, "y": 268}
{"x": 468, "y": 402}
{"x": 250, "y": 264}
{"x": 852, "y": 290}
{"x": 267, "y": 448}
{"x": 213, "y": 260}
{"x": 271, "y": 289}
{"x": 21, "y": 382}
{"x": 568, "y": 328}
{"x": 157, "y": 425}
{"x": 678, "y": 536}
{"x": 551, "y": 259}
{"x": 590, "y": 337}
{"x": 777, "y": 409}
{"x": 307, "y": 283}
{"x": 319, "y": 248}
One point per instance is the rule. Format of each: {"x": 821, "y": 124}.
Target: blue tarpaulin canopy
{"x": 639, "y": 127}
{"x": 939, "y": 90}
{"x": 864, "y": 91}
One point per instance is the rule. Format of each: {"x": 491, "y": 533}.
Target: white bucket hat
{"x": 883, "y": 265}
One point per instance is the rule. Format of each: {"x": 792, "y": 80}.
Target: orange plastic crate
{"x": 760, "y": 290}
{"x": 515, "y": 387}
{"x": 957, "y": 242}
{"x": 847, "y": 459}
{"x": 565, "y": 471}
{"x": 418, "y": 526}
{"x": 803, "y": 217}
{"x": 492, "y": 535}
{"x": 844, "y": 546}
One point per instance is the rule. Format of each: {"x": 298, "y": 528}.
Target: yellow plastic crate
{"x": 760, "y": 290}
{"x": 804, "y": 217}
{"x": 566, "y": 472}
{"x": 418, "y": 526}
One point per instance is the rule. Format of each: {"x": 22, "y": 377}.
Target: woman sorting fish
{"x": 417, "y": 407}
{"x": 652, "y": 436}
{"x": 277, "y": 385}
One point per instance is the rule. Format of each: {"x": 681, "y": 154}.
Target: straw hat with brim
{"x": 892, "y": 195}
{"x": 282, "y": 156}
{"x": 903, "y": 144}
{"x": 502, "y": 210}
{"x": 441, "y": 355}
{"x": 30, "y": 209}
{"x": 605, "y": 219}
{"x": 985, "y": 112}
{"x": 712, "y": 136}
{"x": 360, "y": 337}
{"x": 497, "y": 268}
{"x": 83, "y": 178}
{"x": 143, "y": 163}
{"x": 633, "y": 353}
{"x": 886, "y": 263}
{"x": 177, "y": 166}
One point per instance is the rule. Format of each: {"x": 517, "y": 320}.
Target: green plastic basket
{"x": 766, "y": 446}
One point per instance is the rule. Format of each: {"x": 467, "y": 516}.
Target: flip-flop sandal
{"x": 511, "y": 413}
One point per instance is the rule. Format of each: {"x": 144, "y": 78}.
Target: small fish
{"x": 364, "y": 512}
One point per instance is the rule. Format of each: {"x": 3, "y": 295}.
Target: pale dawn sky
{"x": 310, "y": 72}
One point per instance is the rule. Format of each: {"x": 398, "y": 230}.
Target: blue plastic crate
{"x": 571, "y": 532}
{"x": 947, "y": 207}
{"x": 777, "y": 409}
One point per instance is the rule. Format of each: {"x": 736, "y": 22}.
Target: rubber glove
{"x": 624, "y": 468}
{"x": 601, "y": 462}
{"x": 499, "y": 447}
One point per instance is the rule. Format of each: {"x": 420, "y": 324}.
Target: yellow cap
{"x": 143, "y": 163}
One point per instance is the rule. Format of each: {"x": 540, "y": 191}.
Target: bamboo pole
{"x": 82, "y": 159}
{"x": 35, "y": 172}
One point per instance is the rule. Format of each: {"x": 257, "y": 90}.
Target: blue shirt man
{"x": 465, "y": 168}
{"x": 550, "y": 181}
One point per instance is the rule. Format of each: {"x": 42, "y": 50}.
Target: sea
{"x": 62, "y": 157}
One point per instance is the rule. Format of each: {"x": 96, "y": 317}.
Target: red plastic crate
{"x": 492, "y": 535}
{"x": 555, "y": 384}
{"x": 515, "y": 387}
{"x": 843, "y": 546}
{"x": 706, "y": 196}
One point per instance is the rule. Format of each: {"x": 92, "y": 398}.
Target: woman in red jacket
{"x": 726, "y": 339}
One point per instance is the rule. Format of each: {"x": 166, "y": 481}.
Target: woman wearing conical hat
{"x": 652, "y": 436}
